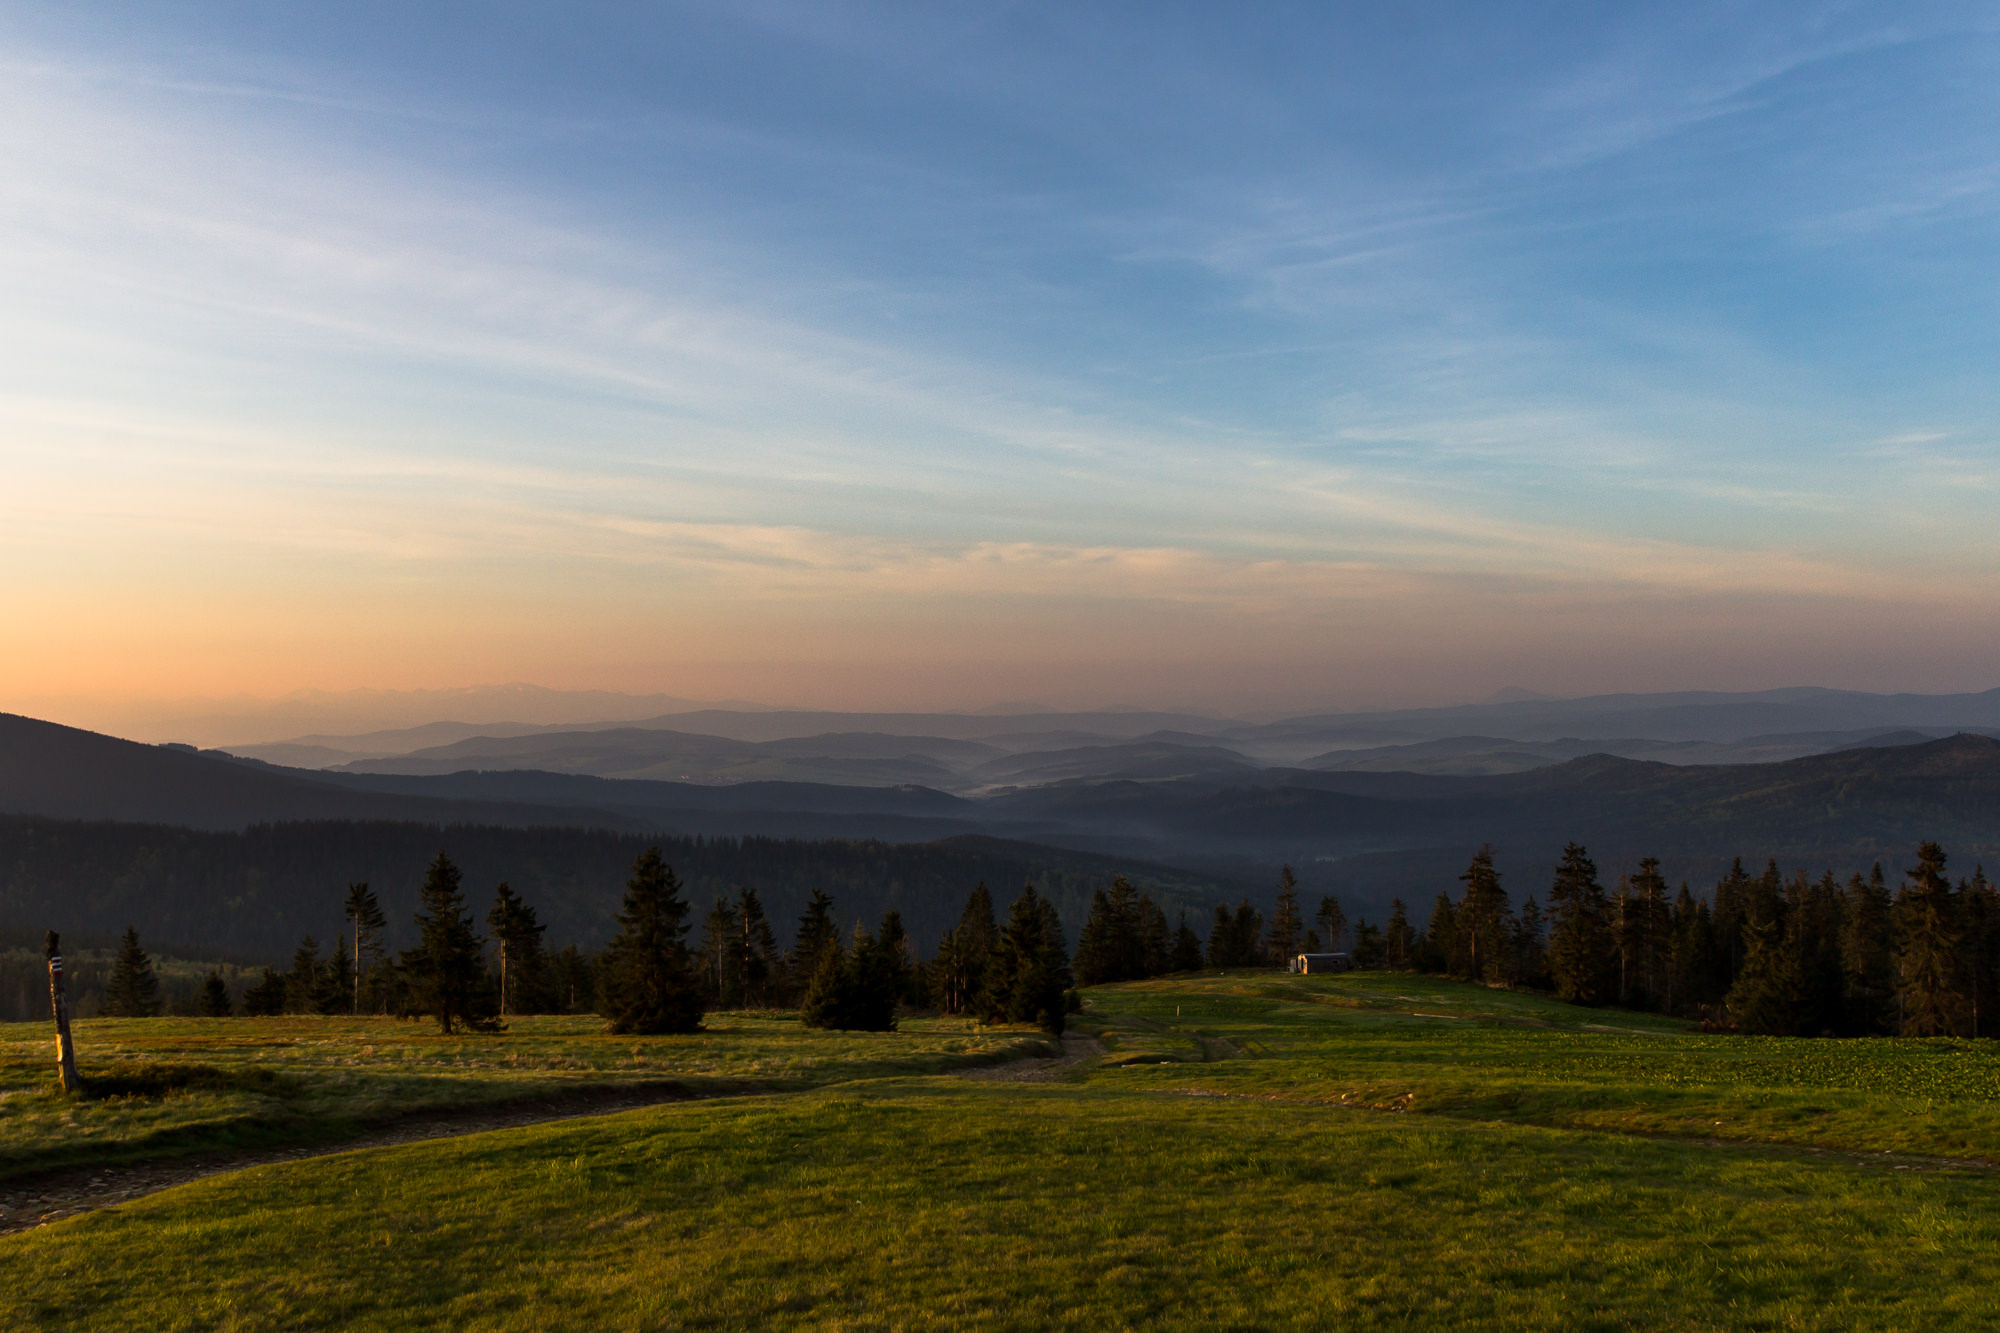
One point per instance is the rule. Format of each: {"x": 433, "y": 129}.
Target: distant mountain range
{"x": 975, "y": 754}
{"x": 1347, "y": 819}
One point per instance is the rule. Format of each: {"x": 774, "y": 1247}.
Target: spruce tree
{"x": 853, "y": 989}
{"x": 370, "y": 927}
{"x": 978, "y": 941}
{"x": 947, "y": 978}
{"x": 1642, "y": 935}
{"x": 303, "y": 984}
{"x": 215, "y": 997}
{"x": 824, "y": 1003}
{"x": 1282, "y": 942}
{"x": 1527, "y": 951}
{"x": 1690, "y": 954}
{"x": 1399, "y": 942}
{"x": 1760, "y": 1002}
{"x": 447, "y": 970}
{"x": 517, "y": 937}
{"x": 722, "y": 955}
{"x": 649, "y": 980}
{"x": 761, "y": 964}
{"x": 1731, "y": 898}
{"x": 1580, "y": 940}
{"x": 336, "y": 981}
{"x": 1122, "y": 937}
{"x": 1367, "y": 945}
{"x": 1927, "y": 962}
{"x": 816, "y": 934}
{"x": 1222, "y": 947}
{"x": 878, "y": 964}
{"x": 266, "y": 998}
{"x": 1483, "y": 921}
{"x": 1812, "y": 931}
{"x": 1097, "y": 952}
{"x": 1867, "y": 955}
{"x": 133, "y": 991}
{"x": 1332, "y": 922}
{"x": 1055, "y": 949}
{"x": 1029, "y": 971}
{"x": 1980, "y": 951}
{"x": 1249, "y": 935}
{"x": 1186, "y": 956}
{"x": 892, "y": 942}
{"x": 1440, "y": 943}
{"x": 573, "y": 976}
{"x": 1128, "y": 950}
{"x": 1156, "y": 942}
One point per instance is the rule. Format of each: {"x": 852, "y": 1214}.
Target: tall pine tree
{"x": 1927, "y": 963}
{"x": 1282, "y": 941}
{"x": 1399, "y": 942}
{"x": 1186, "y": 956}
{"x": 1332, "y": 923}
{"x": 447, "y": 969}
{"x": 1029, "y": 969}
{"x": 761, "y": 965}
{"x": 1483, "y": 921}
{"x": 1867, "y": 956}
{"x": 816, "y": 934}
{"x": 1580, "y": 940}
{"x": 215, "y": 997}
{"x": 518, "y": 937}
{"x": 649, "y": 982}
{"x": 133, "y": 991}
{"x": 370, "y": 930}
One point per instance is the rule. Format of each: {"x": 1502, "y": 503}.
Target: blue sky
{"x": 926, "y": 355}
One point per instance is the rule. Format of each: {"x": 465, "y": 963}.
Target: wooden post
{"x": 65, "y": 1049}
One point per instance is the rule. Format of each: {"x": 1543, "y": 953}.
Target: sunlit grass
{"x": 1445, "y": 1047}
{"x": 1231, "y": 1163}
{"x": 213, "y": 1082}
{"x": 940, "y": 1202}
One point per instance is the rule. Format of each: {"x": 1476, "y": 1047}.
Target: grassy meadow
{"x": 1253, "y": 1151}
{"x": 164, "y": 1085}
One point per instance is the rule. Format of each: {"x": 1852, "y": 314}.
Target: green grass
{"x": 164, "y": 1085}
{"x": 929, "y": 1202}
{"x": 1206, "y": 1174}
{"x": 1423, "y": 1044}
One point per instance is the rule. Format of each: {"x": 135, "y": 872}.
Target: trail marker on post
{"x": 65, "y": 1049}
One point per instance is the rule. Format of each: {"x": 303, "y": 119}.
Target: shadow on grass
{"x": 154, "y": 1081}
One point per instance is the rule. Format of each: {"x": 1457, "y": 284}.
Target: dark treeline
{"x": 1773, "y": 954}
{"x": 1767, "y": 953}
{"x": 250, "y": 896}
{"x": 648, "y": 978}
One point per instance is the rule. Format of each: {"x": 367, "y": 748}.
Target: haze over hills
{"x": 1355, "y": 830}
{"x": 975, "y": 753}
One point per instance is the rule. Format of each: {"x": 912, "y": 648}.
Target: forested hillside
{"x": 252, "y": 895}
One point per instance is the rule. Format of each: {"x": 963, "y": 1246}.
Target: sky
{"x": 943, "y": 355}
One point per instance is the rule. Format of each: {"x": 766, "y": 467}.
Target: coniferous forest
{"x": 827, "y": 928}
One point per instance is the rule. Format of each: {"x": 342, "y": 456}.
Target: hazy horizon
{"x": 872, "y": 357}
{"x": 244, "y": 720}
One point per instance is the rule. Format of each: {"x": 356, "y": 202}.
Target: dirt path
{"x": 30, "y": 1201}
{"x": 1076, "y": 1048}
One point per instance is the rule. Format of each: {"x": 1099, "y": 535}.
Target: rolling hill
{"x": 1369, "y": 834}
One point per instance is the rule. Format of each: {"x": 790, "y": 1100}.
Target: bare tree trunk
{"x": 59, "y": 1002}
{"x": 503, "y": 978}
